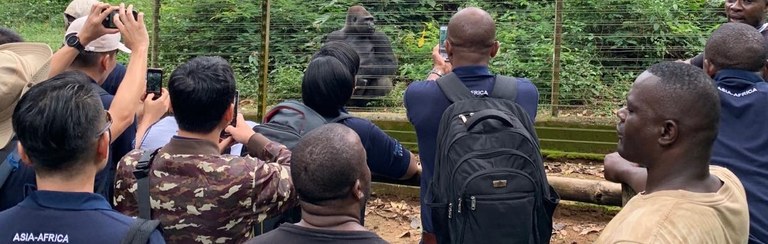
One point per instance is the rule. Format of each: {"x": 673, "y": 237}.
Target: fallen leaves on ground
{"x": 575, "y": 170}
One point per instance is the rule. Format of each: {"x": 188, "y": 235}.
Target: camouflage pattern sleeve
{"x": 273, "y": 186}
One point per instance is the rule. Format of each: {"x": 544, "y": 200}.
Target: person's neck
{"x": 331, "y": 218}
{"x": 94, "y": 75}
{"x": 213, "y": 136}
{"x": 82, "y": 182}
{"x": 681, "y": 173}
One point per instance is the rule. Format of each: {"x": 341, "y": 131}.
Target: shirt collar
{"x": 728, "y": 74}
{"x": 190, "y": 146}
{"x": 472, "y": 70}
{"x": 66, "y": 200}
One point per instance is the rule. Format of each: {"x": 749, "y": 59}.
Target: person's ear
{"x": 102, "y": 150}
{"x": 669, "y": 133}
{"x": 494, "y": 49}
{"x": 23, "y": 155}
{"x": 229, "y": 114}
{"x": 448, "y": 48}
{"x": 358, "y": 191}
{"x": 709, "y": 68}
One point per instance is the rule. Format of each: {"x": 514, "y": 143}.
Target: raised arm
{"x": 92, "y": 30}
{"x": 126, "y": 101}
{"x": 619, "y": 170}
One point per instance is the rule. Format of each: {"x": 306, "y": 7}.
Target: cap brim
{"x": 123, "y": 48}
{"x": 6, "y": 132}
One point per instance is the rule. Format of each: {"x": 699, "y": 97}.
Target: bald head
{"x": 472, "y": 29}
{"x": 326, "y": 164}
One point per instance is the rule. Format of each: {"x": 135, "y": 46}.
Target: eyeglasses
{"x": 107, "y": 124}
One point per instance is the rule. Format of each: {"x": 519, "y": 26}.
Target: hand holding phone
{"x": 109, "y": 23}
{"x": 443, "y": 37}
{"x": 154, "y": 82}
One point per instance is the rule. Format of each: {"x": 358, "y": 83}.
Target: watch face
{"x": 72, "y": 39}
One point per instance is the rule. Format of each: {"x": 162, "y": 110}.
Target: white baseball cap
{"x": 80, "y": 8}
{"x": 22, "y": 65}
{"x": 105, "y": 43}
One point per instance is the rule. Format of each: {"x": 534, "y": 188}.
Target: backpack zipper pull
{"x": 473, "y": 205}
{"x": 450, "y": 209}
{"x": 459, "y": 208}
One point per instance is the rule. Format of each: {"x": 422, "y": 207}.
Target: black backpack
{"x": 489, "y": 184}
{"x": 286, "y": 123}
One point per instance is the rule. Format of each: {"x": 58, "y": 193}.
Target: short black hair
{"x": 327, "y": 86}
{"x": 201, "y": 90}
{"x": 9, "y": 36}
{"x": 343, "y": 52}
{"x": 89, "y": 59}
{"x": 326, "y": 163}
{"x": 689, "y": 95}
{"x": 58, "y": 123}
{"x": 736, "y": 46}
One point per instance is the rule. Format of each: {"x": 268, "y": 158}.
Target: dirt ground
{"x": 396, "y": 218}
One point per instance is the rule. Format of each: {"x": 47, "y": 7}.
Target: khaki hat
{"x": 80, "y": 8}
{"x": 105, "y": 43}
{"x": 22, "y": 65}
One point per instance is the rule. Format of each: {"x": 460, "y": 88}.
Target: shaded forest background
{"x": 606, "y": 43}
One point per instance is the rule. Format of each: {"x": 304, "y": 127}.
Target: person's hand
{"x": 155, "y": 109}
{"x": 133, "y": 30}
{"x": 93, "y": 28}
{"x": 225, "y": 144}
{"x": 616, "y": 167}
{"x": 438, "y": 61}
{"x": 242, "y": 132}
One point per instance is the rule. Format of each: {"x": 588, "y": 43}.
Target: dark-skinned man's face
{"x": 637, "y": 128}
{"x": 751, "y": 12}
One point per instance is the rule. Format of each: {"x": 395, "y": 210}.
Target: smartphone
{"x": 224, "y": 133}
{"x": 108, "y": 23}
{"x": 154, "y": 82}
{"x": 443, "y": 37}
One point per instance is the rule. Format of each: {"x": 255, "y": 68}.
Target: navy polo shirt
{"x": 114, "y": 79}
{"x": 19, "y": 182}
{"x": 65, "y": 217}
{"x": 425, "y": 103}
{"x": 385, "y": 155}
{"x": 105, "y": 179}
{"x": 742, "y": 141}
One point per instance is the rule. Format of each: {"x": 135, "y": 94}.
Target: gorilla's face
{"x": 364, "y": 24}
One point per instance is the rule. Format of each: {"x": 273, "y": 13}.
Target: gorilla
{"x": 378, "y": 64}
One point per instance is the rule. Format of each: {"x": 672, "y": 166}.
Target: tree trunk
{"x": 589, "y": 191}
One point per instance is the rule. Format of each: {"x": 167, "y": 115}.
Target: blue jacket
{"x": 742, "y": 141}
{"x": 425, "y": 103}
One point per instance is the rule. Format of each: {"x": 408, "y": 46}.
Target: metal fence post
{"x": 265, "y": 4}
{"x": 555, "y": 95}
{"x": 155, "y": 34}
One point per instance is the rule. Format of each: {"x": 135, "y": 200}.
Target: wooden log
{"x": 581, "y": 190}
{"x": 589, "y": 191}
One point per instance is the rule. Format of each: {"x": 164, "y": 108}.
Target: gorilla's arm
{"x": 384, "y": 57}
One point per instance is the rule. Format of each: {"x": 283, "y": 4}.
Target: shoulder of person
{"x": 421, "y": 88}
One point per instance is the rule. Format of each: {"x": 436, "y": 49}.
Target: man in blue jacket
{"x": 734, "y": 57}
{"x": 470, "y": 45}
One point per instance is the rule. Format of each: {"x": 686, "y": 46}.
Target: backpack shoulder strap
{"x": 140, "y": 231}
{"x": 505, "y": 87}
{"x": 453, "y": 88}
{"x": 6, "y": 168}
{"x": 342, "y": 116}
{"x": 143, "y": 167}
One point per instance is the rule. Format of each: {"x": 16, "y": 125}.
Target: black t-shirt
{"x": 290, "y": 233}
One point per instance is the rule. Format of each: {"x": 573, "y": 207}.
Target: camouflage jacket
{"x": 201, "y": 196}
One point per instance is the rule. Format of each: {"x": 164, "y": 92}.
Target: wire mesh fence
{"x": 605, "y": 43}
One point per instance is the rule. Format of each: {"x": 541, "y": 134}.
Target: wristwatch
{"x": 74, "y": 42}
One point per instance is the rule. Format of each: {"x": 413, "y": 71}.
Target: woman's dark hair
{"x": 343, "y": 52}
{"x": 326, "y": 86}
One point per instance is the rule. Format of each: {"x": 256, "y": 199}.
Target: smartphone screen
{"x": 154, "y": 81}
{"x": 443, "y": 37}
